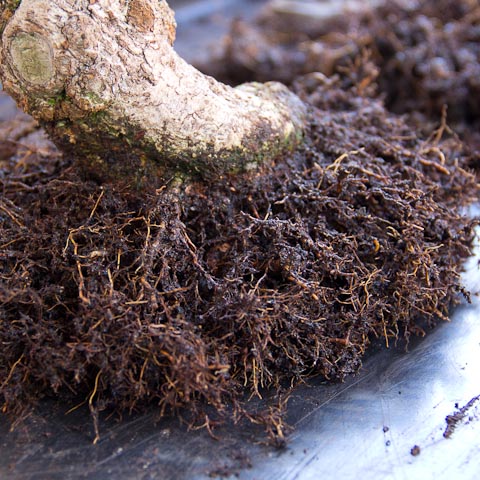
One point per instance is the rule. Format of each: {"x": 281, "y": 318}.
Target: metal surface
{"x": 363, "y": 428}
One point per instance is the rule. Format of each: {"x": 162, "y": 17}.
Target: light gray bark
{"x": 102, "y": 76}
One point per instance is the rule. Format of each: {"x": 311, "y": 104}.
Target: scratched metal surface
{"x": 365, "y": 427}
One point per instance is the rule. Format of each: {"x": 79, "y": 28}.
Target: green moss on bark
{"x": 114, "y": 152}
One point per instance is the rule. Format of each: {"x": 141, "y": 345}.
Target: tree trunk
{"x": 103, "y": 79}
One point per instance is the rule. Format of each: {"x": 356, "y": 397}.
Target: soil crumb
{"x": 415, "y": 451}
{"x": 454, "y": 419}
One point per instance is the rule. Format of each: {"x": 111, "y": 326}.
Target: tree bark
{"x": 104, "y": 80}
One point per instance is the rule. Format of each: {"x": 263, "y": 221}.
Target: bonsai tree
{"x": 104, "y": 80}
{"x": 192, "y": 297}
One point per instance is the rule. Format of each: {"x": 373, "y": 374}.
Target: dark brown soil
{"x": 427, "y": 57}
{"x": 210, "y": 292}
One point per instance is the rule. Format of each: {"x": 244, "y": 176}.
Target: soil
{"x": 458, "y": 416}
{"x": 425, "y": 56}
{"x": 415, "y": 451}
{"x": 199, "y": 296}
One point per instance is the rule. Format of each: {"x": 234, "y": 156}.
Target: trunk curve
{"x": 103, "y": 78}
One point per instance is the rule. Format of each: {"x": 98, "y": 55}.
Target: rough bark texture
{"x": 103, "y": 78}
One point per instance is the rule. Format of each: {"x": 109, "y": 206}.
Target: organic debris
{"x": 455, "y": 418}
{"x": 206, "y": 293}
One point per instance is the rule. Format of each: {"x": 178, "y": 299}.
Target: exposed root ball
{"x": 203, "y": 293}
